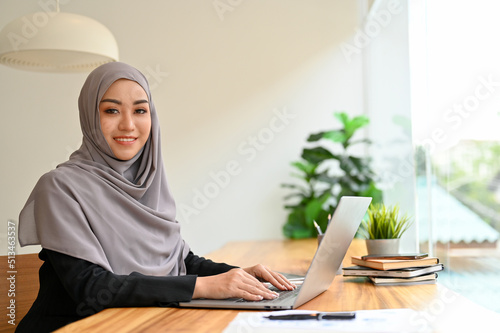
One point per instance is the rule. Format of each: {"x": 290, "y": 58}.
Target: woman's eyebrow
{"x": 111, "y": 100}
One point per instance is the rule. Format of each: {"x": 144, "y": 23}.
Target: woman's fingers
{"x": 234, "y": 283}
{"x": 279, "y": 279}
{"x": 242, "y": 283}
{"x": 276, "y": 279}
{"x": 253, "y": 286}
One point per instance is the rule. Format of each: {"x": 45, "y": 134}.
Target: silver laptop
{"x": 327, "y": 260}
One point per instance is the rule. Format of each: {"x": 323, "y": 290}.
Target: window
{"x": 455, "y": 83}
{"x": 432, "y": 92}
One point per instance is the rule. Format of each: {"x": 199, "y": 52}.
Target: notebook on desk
{"x": 327, "y": 260}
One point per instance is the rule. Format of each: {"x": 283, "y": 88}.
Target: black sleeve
{"x": 93, "y": 288}
{"x": 204, "y": 267}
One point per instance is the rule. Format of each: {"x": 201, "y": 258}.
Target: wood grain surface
{"x": 293, "y": 256}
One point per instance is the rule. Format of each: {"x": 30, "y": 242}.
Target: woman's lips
{"x": 125, "y": 140}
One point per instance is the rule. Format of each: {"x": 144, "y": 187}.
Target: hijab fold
{"x": 117, "y": 214}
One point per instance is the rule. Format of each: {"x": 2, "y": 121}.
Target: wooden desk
{"x": 436, "y": 302}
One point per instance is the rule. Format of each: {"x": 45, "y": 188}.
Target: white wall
{"x": 219, "y": 80}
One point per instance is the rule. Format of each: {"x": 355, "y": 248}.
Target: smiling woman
{"x": 106, "y": 219}
{"x": 125, "y": 118}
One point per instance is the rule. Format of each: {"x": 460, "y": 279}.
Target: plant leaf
{"x": 342, "y": 117}
{"x": 351, "y": 126}
{"x": 305, "y": 167}
{"x": 314, "y": 207}
{"x": 385, "y": 222}
{"x": 316, "y": 155}
{"x": 325, "y": 178}
{"x": 335, "y": 136}
{"x": 315, "y": 137}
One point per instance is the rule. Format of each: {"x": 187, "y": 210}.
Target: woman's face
{"x": 125, "y": 118}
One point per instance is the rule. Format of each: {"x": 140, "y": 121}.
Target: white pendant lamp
{"x": 56, "y": 42}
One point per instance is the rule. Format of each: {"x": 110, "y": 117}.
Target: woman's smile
{"x": 125, "y": 140}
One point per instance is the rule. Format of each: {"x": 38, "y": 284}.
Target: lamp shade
{"x": 56, "y": 42}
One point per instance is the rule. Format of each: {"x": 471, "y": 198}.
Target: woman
{"x": 106, "y": 219}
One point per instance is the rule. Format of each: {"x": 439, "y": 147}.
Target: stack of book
{"x": 395, "y": 270}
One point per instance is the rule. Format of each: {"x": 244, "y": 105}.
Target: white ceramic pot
{"x": 382, "y": 246}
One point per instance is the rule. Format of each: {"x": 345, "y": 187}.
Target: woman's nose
{"x": 126, "y": 122}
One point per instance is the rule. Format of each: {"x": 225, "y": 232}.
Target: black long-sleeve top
{"x": 72, "y": 289}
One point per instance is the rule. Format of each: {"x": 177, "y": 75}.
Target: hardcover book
{"x": 388, "y": 281}
{"x": 398, "y": 273}
{"x": 382, "y": 264}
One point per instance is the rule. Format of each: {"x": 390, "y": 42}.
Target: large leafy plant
{"x": 327, "y": 171}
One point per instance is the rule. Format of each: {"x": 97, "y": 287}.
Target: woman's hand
{"x": 241, "y": 283}
{"x": 276, "y": 279}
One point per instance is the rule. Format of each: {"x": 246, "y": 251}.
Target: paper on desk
{"x": 387, "y": 321}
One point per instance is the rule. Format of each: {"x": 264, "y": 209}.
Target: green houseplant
{"x": 383, "y": 228}
{"x": 327, "y": 171}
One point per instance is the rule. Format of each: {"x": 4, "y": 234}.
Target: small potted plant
{"x": 384, "y": 227}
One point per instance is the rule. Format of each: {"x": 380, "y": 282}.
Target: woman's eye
{"x": 111, "y": 111}
{"x": 141, "y": 111}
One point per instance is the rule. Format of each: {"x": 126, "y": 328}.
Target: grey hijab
{"x": 117, "y": 214}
